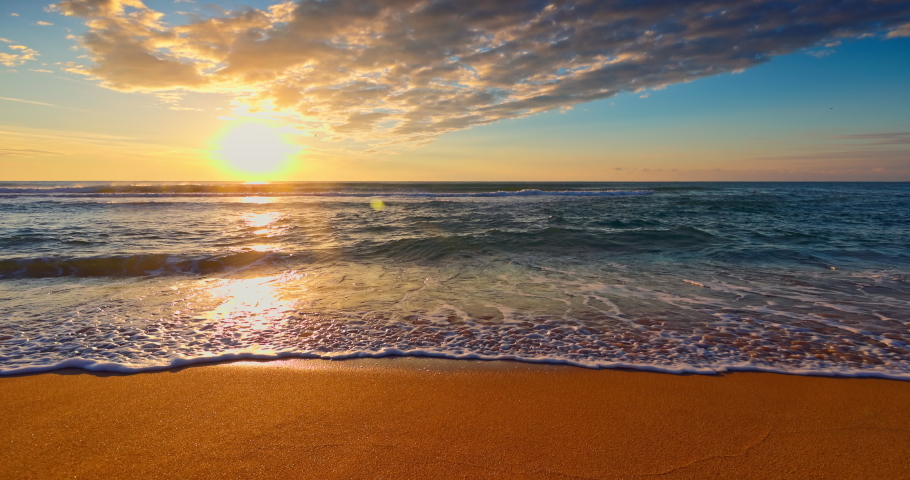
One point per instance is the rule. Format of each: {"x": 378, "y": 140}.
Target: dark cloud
{"x": 401, "y": 71}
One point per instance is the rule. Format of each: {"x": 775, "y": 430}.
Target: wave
{"x": 131, "y": 265}
{"x": 686, "y": 188}
{"x": 552, "y": 239}
{"x": 314, "y": 190}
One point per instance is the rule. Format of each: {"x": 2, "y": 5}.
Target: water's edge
{"x": 99, "y": 367}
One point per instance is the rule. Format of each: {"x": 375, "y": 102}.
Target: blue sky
{"x": 835, "y": 112}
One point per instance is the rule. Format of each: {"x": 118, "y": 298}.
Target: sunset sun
{"x": 254, "y": 150}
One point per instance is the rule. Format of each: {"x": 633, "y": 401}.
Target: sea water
{"x": 809, "y": 278}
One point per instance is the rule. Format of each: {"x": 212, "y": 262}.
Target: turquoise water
{"x": 679, "y": 277}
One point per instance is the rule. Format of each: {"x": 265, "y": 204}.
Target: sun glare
{"x": 254, "y": 150}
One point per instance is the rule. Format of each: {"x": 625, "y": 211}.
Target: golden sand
{"x": 413, "y": 418}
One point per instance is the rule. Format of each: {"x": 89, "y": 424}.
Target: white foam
{"x": 595, "y": 317}
{"x": 95, "y": 366}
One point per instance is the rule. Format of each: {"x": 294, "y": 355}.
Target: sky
{"x": 401, "y": 90}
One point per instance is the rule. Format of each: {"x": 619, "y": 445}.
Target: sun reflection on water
{"x": 263, "y": 222}
{"x": 258, "y": 200}
{"x": 264, "y": 248}
{"x": 260, "y": 219}
{"x": 253, "y": 302}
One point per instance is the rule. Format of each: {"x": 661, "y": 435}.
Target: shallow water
{"x": 681, "y": 277}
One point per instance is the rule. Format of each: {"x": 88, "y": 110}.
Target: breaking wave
{"x": 131, "y": 265}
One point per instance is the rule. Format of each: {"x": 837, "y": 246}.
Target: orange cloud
{"x": 20, "y": 54}
{"x": 901, "y": 31}
{"x": 402, "y": 72}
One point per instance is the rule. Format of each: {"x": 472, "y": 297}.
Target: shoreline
{"x": 92, "y": 367}
{"x": 433, "y": 418}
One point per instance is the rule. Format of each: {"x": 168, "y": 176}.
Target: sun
{"x": 254, "y": 150}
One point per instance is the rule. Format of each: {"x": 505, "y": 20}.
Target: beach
{"x": 434, "y": 418}
{"x": 356, "y": 239}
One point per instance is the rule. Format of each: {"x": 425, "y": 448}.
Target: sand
{"x": 413, "y": 418}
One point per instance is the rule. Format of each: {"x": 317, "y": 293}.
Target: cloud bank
{"x": 406, "y": 71}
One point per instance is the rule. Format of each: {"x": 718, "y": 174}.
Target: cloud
{"x": 14, "y": 14}
{"x": 43, "y": 23}
{"x": 43, "y": 104}
{"x": 173, "y": 100}
{"x": 10, "y": 99}
{"x": 52, "y": 135}
{"x": 895, "y": 158}
{"x": 401, "y": 72}
{"x": 25, "y": 152}
{"x": 821, "y": 53}
{"x": 20, "y": 54}
{"x": 902, "y": 31}
{"x": 864, "y": 152}
{"x": 890, "y": 138}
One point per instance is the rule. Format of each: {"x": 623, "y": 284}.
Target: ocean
{"x": 802, "y": 278}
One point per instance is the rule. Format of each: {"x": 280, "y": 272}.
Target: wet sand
{"x": 421, "y": 418}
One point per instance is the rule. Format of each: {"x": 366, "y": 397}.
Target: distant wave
{"x": 130, "y": 265}
{"x": 292, "y": 190}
